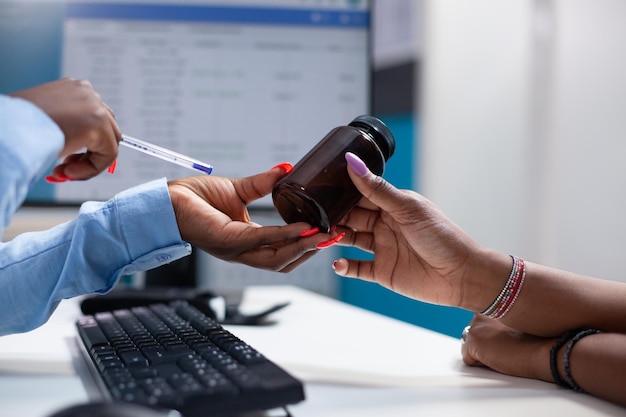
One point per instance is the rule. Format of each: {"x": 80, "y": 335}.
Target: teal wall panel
{"x": 30, "y": 43}
{"x": 31, "y": 36}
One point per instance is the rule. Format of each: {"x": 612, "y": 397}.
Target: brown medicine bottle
{"x": 318, "y": 190}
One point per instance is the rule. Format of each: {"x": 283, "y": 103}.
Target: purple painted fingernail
{"x": 355, "y": 163}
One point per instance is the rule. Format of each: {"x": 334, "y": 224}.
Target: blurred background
{"x": 519, "y": 124}
{"x": 511, "y": 116}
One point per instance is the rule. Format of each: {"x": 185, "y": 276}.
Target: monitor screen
{"x": 240, "y": 84}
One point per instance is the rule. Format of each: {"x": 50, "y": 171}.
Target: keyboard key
{"x": 91, "y": 333}
{"x": 133, "y": 358}
{"x": 143, "y": 372}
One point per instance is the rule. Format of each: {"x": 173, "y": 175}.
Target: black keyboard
{"x": 176, "y": 357}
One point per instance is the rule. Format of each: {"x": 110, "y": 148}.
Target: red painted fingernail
{"x": 112, "y": 167}
{"x": 285, "y": 166}
{"x": 52, "y": 179}
{"x": 330, "y": 242}
{"x": 310, "y": 232}
{"x": 64, "y": 177}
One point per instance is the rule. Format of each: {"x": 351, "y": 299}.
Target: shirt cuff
{"x": 148, "y": 227}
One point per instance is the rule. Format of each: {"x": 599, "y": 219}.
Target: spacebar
{"x": 160, "y": 355}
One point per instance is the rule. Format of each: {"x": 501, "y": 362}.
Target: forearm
{"x": 551, "y": 301}
{"x": 134, "y": 231}
{"x": 598, "y": 365}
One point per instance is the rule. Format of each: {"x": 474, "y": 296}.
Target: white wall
{"x": 396, "y": 31}
{"x": 524, "y": 126}
{"x": 475, "y": 115}
{"x": 588, "y": 152}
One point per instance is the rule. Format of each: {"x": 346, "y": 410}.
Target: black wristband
{"x": 554, "y": 351}
{"x": 568, "y": 375}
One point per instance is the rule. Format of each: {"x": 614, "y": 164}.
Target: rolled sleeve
{"x": 149, "y": 227}
{"x": 136, "y": 231}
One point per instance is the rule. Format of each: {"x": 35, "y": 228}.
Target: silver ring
{"x": 466, "y": 331}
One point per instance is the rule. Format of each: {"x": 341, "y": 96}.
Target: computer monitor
{"x": 240, "y": 84}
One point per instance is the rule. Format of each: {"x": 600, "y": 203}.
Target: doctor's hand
{"x": 212, "y": 215}
{"x": 85, "y": 120}
{"x": 418, "y": 251}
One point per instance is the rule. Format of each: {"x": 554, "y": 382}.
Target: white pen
{"x": 165, "y": 154}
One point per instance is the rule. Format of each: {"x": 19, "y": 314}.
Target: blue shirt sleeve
{"x": 29, "y": 143}
{"x": 134, "y": 231}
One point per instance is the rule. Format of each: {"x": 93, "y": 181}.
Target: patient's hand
{"x": 506, "y": 350}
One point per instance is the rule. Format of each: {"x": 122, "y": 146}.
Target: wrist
{"x": 541, "y": 366}
{"x": 487, "y": 274}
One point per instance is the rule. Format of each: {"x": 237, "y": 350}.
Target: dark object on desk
{"x": 234, "y": 316}
{"x": 128, "y": 298}
{"x": 179, "y": 273}
{"x": 206, "y": 301}
{"x": 175, "y": 356}
{"x": 114, "y": 409}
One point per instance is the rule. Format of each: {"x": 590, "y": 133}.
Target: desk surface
{"x": 353, "y": 362}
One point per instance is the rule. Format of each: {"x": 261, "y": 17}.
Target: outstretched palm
{"x": 417, "y": 252}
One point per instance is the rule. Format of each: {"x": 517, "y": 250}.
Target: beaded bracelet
{"x": 568, "y": 350}
{"x": 507, "y": 297}
{"x": 554, "y": 351}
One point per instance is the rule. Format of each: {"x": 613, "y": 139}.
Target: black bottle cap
{"x": 379, "y": 131}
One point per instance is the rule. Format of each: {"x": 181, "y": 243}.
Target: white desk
{"x": 353, "y": 363}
